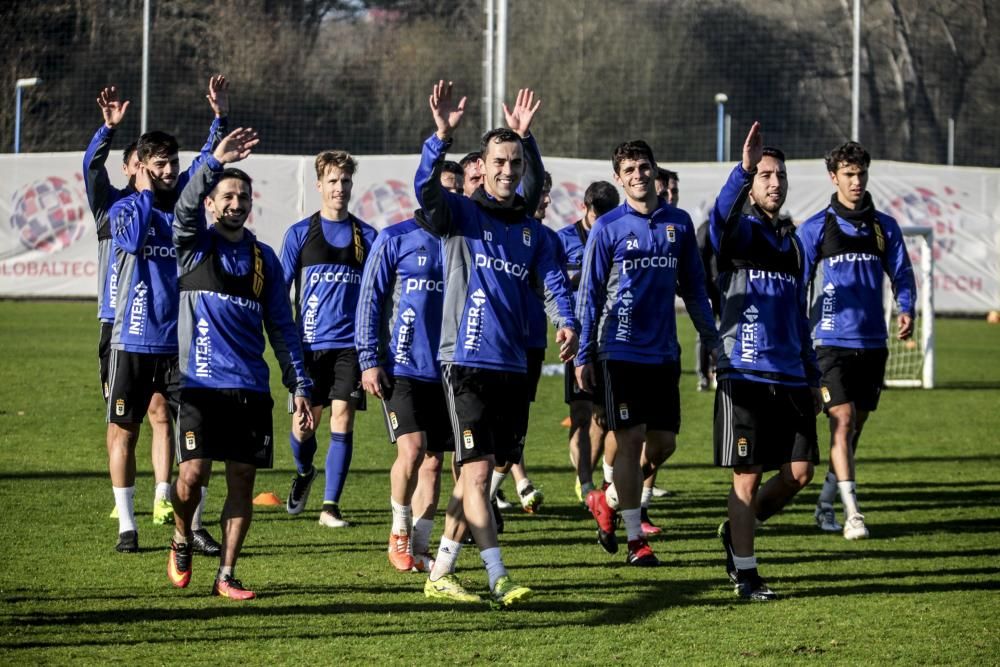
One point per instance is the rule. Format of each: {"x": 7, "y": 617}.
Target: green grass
{"x": 922, "y": 590}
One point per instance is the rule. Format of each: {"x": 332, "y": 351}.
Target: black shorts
{"x": 485, "y": 412}
{"x": 763, "y": 424}
{"x": 852, "y": 376}
{"x": 104, "y": 356}
{"x": 536, "y": 358}
{"x": 635, "y": 394}
{"x": 133, "y": 379}
{"x": 414, "y": 406}
{"x": 336, "y": 376}
{"x": 571, "y": 390}
{"x": 225, "y": 425}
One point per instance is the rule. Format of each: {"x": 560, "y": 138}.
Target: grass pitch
{"x": 922, "y": 590}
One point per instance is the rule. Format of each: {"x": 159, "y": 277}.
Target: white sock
{"x": 446, "y": 557}
{"x": 224, "y": 570}
{"x": 647, "y": 495}
{"x": 522, "y": 485}
{"x": 420, "y": 538}
{"x": 495, "y": 482}
{"x": 609, "y": 473}
{"x": 162, "y": 492}
{"x": 745, "y": 562}
{"x": 494, "y": 564}
{"x": 848, "y": 496}
{"x": 125, "y": 504}
{"x": 402, "y": 518}
{"x": 633, "y": 523}
{"x": 611, "y": 495}
{"x": 829, "y": 492}
{"x": 196, "y": 519}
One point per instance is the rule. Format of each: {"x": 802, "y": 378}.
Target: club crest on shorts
{"x": 743, "y": 447}
{"x": 189, "y": 442}
{"x": 623, "y": 410}
{"x": 526, "y": 236}
{"x": 467, "y": 439}
{"x": 671, "y": 233}
{"x": 825, "y": 393}
{"x": 120, "y": 407}
{"x": 393, "y": 420}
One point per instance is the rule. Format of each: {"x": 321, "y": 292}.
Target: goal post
{"x": 911, "y": 363}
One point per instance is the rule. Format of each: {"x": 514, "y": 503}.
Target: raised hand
{"x": 237, "y": 145}
{"x": 218, "y": 95}
{"x": 519, "y": 118}
{"x": 753, "y": 148}
{"x": 447, "y": 114}
{"x": 112, "y": 107}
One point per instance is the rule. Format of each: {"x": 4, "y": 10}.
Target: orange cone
{"x": 567, "y": 422}
{"x": 268, "y": 498}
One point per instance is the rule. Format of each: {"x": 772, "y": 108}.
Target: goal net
{"x": 911, "y": 362}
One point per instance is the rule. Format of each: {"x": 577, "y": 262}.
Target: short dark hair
{"x": 155, "y": 143}
{"x": 500, "y": 135}
{"x": 238, "y": 174}
{"x": 127, "y": 153}
{"x": 452, "y": 167}
{"x": 665, "y": 175}
{"x": 850, "y": 153}
{"x": 547, "y": 181}
{"x": 470, "y": 157}
{"x": 601, "y": 197}
{"x": 771, "y": 151}
{"x": 632, "y": 150}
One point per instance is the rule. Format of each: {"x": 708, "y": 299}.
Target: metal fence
{"x": 314, "y": 74}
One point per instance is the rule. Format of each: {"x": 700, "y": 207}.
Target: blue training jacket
{"x": 846, "y": 308}
{"x": 574, "y": 240}
{"x": 398, "y": 325}
{"x": 764, "y": 330}
{"x": 101, "y": 196}
{"x": 230, "y": 292}
{"x": 633, "y": 267}
{"x": 489, "y": 250}
{"x": 324, "y": 259}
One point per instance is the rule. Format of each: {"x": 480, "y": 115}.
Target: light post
{"x": 720, "y": 103}
{"x": 21, "y": 83}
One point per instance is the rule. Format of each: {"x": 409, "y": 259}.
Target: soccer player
{"x": 490, "y": 245}
{"x": 323, "y": 256}
{"x": 143, "y": 363}
{"x": 767, "y": 399}
{"x": 530, "y": 497}
{"x": 397, "y": 332}
{"x": 848, "y": 247}
{"x": 452, "y": 177}
{"x": 101, "y": 196}
{"x": 231, "y": 290}
{"x": 586, "y": 433}
{"x": 637, "y": 258}
{"x": 472, "y": 166}
{"x": 667, "y": 186}
{"x": 702, "y": 356}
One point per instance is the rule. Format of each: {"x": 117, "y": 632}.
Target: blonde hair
{"x": 340, "y": 159}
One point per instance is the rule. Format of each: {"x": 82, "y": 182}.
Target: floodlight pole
{"x": 720, "y": 138}
{"x": 856, "y": 75}
{"x": 500, "y": 78}
{"x": 488, "y": 67}
{"x": 143, "y": 116}
{"x": 19, "y": 85}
